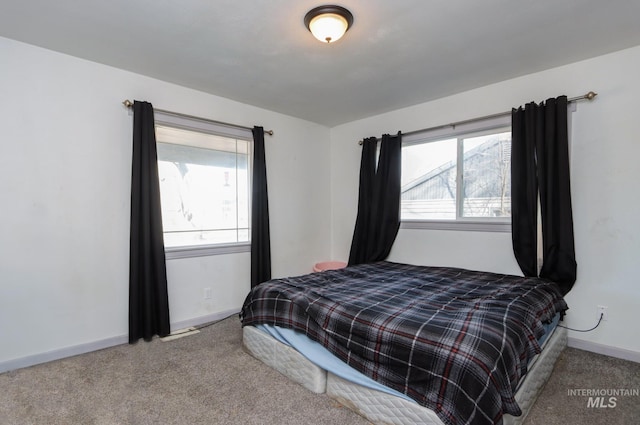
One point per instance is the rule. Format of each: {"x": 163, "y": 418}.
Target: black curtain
{"x": 540, "y": 166}
{"x": 378, "y": 217}
{"x": 524, "y": 188}
{"x": 148, "y": 297}
{"x": 260, "y": 238}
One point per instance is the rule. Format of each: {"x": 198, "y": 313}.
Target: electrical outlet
{"x": 602, "y": 310}
{"x": 207, "y": 293}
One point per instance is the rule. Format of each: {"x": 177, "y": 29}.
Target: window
{"x": 204, "y": 185}
{"x": 458, "y": 178}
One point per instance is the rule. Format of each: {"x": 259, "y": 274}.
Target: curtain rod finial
{"x": 127, "y": 103}
{"x": 591, "y": 95}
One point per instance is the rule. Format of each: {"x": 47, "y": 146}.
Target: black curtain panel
{"x": 552, "y": 152}
{"x": 524, "y": 188}
{"x": 362, "y": 233}
{"x": 260, "y": 237}
{"x": 148, "y": 297}
{"x": 378, "y": 217}
{"x": 540, "y": 166}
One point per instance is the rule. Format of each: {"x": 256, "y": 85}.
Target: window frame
{"x": 202, "y": 125}
{"x": 471, "y": 128}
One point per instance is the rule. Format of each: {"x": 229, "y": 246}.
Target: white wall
{"x": 65, "y": 185}
{"x": 65, "y": 176}
{"x": 605, "y": 150}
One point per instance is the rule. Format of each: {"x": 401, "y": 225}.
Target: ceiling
{"x": 398, "y": 53}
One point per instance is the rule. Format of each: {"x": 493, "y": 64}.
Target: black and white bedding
{"x": 455, "y": 341}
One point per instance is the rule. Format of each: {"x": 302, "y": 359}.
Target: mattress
{"x": 382, "y": 407}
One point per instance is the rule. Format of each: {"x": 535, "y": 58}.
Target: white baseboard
{"x": 75, "y": 350}
{"x": 61, "y": 353}
{"x": 606, "y": 350}
{"x": 88, "y": 347}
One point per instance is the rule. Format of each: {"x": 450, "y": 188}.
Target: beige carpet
{"x": 208, "y": 379}
{"x": 582, "y": 370}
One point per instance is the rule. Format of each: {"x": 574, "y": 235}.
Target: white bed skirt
{"x": 379, "y": 407}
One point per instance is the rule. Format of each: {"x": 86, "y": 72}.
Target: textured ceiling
{"x": 397, "y": 54}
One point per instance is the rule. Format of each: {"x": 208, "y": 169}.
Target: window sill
{"x": 176, "y": 252}
{"x": 460, "y": 225}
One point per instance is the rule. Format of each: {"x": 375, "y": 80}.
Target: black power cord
{"x": 206, "y": 325}
{"x": 583, "y": 330}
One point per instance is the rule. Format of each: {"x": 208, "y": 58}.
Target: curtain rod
{"x": 129, "y": 104}
{"x": 589, "y": 96}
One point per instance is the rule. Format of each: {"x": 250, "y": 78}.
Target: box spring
{"x": 381, "y": 408}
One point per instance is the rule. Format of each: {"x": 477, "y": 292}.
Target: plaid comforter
{"x": 454, "y": 340}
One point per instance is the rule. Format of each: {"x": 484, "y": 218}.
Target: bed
{"x": 441, "y": 345}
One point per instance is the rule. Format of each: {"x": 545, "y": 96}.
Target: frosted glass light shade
{"x": 328, "y": 23}
{"x": 328, "y": 27}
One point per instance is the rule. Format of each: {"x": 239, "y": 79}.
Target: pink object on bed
{"x": 329, "y": 265}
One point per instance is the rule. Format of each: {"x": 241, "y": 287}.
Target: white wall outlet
{"x": 207, "y": 293}
{"x": 602, "y": 310}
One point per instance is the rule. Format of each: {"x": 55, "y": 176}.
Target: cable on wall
{"x": 585, "y": 330}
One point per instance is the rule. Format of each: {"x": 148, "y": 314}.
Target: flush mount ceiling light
{"x": 328, "y": 23}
